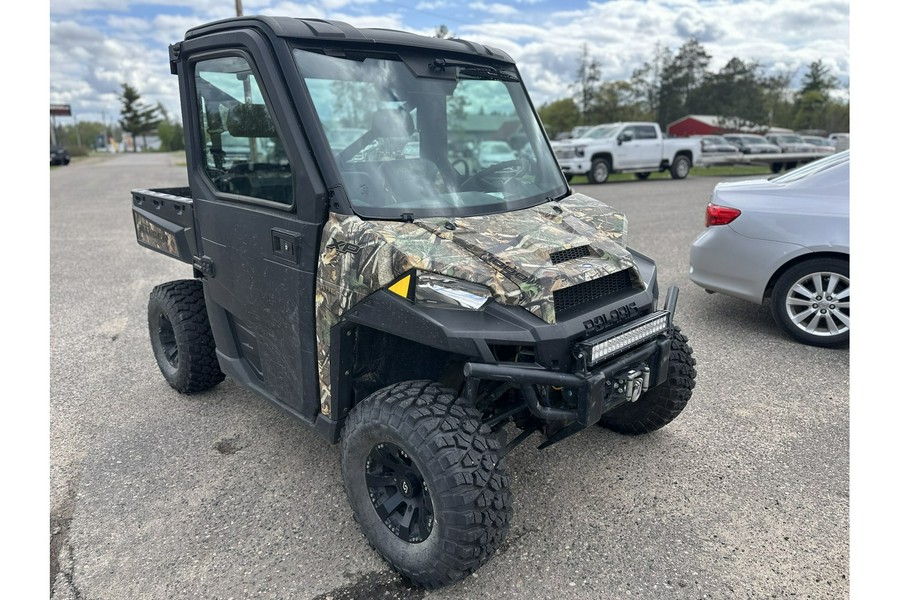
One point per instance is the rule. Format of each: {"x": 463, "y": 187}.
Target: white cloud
{"x": 783, "y": 36}
{"x": 495, "y": 8}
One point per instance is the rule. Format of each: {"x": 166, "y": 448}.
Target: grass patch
{"x": 717, "y": 171}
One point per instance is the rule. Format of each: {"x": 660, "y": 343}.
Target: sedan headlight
{"x": 423, "y": 287}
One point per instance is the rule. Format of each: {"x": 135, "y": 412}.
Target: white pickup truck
{"x": 637, "y": 147}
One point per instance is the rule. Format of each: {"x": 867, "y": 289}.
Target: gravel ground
{"x": 221, "y": 495}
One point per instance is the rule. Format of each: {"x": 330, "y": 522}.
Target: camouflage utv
{"x": 360, "y": 263}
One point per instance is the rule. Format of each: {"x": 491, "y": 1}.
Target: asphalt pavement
{"x": 220, "y": 495}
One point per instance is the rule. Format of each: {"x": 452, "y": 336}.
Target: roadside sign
{"x": 60, "y": 110}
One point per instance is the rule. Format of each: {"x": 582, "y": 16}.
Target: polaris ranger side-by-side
{"x": 359, "y": 263}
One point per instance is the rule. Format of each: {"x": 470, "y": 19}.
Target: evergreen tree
{"x": 587, "y": 85}
{"x": 136, "y": 117}
{"x": 736, "y": 92}
{"x": 646, "y": 81}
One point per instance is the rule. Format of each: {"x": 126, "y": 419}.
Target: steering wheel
{"x": 495, "y": 177}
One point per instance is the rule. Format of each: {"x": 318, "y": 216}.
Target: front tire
{"x": 426, "y": 481}
{"x": 660, "y": 405}
{"x": 811, "y": 302}
{"x": 680, "y": 168}
{"x": 181, "y": 337}
{"x": 599, "y": 172}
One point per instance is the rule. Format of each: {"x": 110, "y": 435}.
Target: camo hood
{"x": 521, "y": 256}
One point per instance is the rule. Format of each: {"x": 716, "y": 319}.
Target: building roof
{"x": 729, "y": 123}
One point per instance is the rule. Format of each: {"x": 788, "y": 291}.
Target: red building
{"x": 708, "y": 125}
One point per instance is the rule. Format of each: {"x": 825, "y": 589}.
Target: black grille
{"x": 590, "y": 291}
{"x": 570, "y": 254}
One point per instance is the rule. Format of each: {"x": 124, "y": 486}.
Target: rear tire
{"x": 680, "y": 168}
{"x": 811, "y": 302}
{"x": 426, "y": 481}
{"x": 599, "y": 172}
{"x": 181, "y": 338}
{"x": 660, "y": 405}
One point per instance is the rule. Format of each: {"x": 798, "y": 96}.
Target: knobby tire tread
{"x": 473, "y": 482}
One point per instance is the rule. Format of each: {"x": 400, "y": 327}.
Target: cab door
{"x": 258, "y": 207}
{"x": 643, "y": 148}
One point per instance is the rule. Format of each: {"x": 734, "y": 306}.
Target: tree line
{"x": 672, "y": 85}
{"x": 669, "y": 86}
{"x": 136, "y": 118}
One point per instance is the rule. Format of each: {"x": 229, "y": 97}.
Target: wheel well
{"x": 796, "y": 261}
{"x": 374, "y": 359}
{"x": 605, "y": 155}
{"x": 686, "y": 153}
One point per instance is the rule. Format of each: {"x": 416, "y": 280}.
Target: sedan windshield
{"x": 430, "y": 136}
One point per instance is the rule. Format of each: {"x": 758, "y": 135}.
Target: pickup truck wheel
{"x": 680, "y": 168}
{"x": 660, "y": 405}
{"x": 426, "y": 481}
{"x": 181, "y": 337}
{"x": 599, "y": 172}
{"x": 811, "y": 302}
{"x": 642, "y": 176}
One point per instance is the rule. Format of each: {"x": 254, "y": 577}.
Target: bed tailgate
{"x": 164, "y": 221}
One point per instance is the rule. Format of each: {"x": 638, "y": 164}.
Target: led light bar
{"x": 596, "y": 349}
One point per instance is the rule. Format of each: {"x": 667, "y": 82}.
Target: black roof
{"x": 321, "y": 30}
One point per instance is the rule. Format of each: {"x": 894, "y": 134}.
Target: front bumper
{"x": 574, "y": 166}
{"x": 591, "y": 390}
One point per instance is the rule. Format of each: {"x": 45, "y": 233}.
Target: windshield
{"x": 601, "y": 131}
{"x": 754, "y": 140}
{"x": 430, "y": 136}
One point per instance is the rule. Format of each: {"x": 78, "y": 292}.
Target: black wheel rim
{"x": 399, "y": 493}
{"x": 167, "y": 340}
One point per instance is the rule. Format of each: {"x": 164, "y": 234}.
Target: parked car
{"x": 822, "y": 145}
{"x": 59, "y": 155}
{"x": 786, "y": 239}
{"x": 751, "y": 143}
{"x": 841, "y": 141}
{"x": 579, "y": 131}
{"x": 716, "y": 144}
{"x": 790, "y": 142}
{"x": 493, "y": 152}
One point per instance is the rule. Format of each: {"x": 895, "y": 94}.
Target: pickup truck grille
{"x": 569, "y": 254}
{"x": 574, "y": 296}
{"x": 564, "y": 153}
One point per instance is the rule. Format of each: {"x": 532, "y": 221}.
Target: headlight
{"x": 579, "y": 150}
{"x": 431, "y": 288}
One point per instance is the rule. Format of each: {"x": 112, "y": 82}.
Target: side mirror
{"x": 624, "y": 137}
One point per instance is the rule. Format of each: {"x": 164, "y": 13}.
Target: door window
{"x": 243, "y": 154}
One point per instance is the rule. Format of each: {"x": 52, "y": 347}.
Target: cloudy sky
{"x": 96, "y": 45}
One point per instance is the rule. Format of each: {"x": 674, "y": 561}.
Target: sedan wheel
{"x": 811, "y": 302}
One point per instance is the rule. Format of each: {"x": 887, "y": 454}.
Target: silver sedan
{"x": 787, "y": 239}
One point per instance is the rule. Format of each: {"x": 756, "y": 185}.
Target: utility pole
{"x": 239, "y": 7}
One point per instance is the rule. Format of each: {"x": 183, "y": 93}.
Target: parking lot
{"x": 221, "y": 495}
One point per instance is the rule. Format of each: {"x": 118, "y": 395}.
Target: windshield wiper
{"x": 472, "y": 70}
